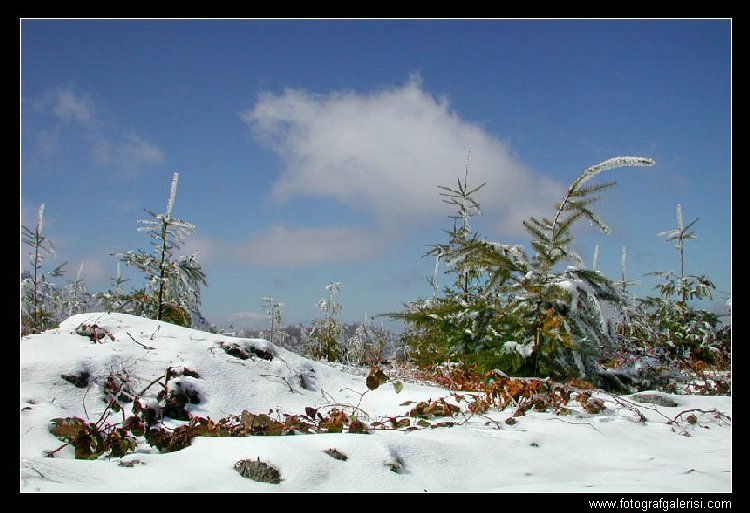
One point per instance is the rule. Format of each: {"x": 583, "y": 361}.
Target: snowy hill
{"x": 223, "y": 376}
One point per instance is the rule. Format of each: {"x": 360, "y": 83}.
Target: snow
{"x": 609, "y": 452}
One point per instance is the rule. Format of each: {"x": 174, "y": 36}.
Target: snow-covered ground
{"x": 609, "y": 452}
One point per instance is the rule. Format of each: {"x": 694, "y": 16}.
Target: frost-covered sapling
{"x": 274, "y": 312}
{"x": 115, "y": 300}
{"x": 40, "y": 298}
{"x": 323, "y": 340}
{"x": 173, "y": 283}
{"x": 681, "y": 234}
{"x": 76, "y": 296}
{"x": 367, "y": 345}
{"x": 673, "y": 322}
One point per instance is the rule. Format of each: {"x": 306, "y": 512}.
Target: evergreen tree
{"x": 460, "y": 235}
{"x": 323, "y": 340}
{"x": 671, "y": 321}
{"x": 41, "y": 299}
{"x": 522, "y": 313}
{"x": 367, "y": 345}
{"x": 681, "y": 234}
{"x": 115, "y": 299}
{"x": 77, "y": 297}
{"x": 274, "y": 312}
{"x": 173, "y": 284}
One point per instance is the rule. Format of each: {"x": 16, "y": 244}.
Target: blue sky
{"x": 311, "y": 151}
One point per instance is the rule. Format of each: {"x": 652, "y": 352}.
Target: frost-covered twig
{"x": 632, "y": 407}
{"x": 280, "y": 377}
{"x": 147, "y": 348}
{"x": 152, "y": 384}
{"x": 717, "y": 414}
{"x": 361, "y": 397}
{"x": 345, "y": 405}
{"x": 581, "y": 423}
{"x": 327, "y": 396}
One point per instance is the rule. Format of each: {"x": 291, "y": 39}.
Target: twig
{"x": 151, "y": 384}
{"x": 630, "y": 406}
{"x": 158, "y": 327}
{"x": 490, "y": 420}
{"x": 27, "y": 431}
{"x": 280, "y": 377}
{"x": 344, "y": 405}
{"x": 582, "y": 423}
{"x": 51, "y": 454}
{"x": 360, "y": 394}
{"x": 147, "y": 348}
{"x": 716, "y": 412}
{"x": 327, "y": 396}
{"x": 35, "y": 470}
{"x": 83, "y": 401}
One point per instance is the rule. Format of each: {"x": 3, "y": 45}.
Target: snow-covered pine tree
{"x": 40, "y": 298}
{"x": 173, "y": 284}
{"x": 569, "y": 329}
{"x": 529, "y": 315}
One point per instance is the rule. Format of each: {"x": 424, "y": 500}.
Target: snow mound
{"x": 223, "y": 376}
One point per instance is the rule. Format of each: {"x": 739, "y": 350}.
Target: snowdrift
{"x": 64, "y": 373}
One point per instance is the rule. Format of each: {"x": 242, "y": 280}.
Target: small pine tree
{"x": 461, "y": 234}
{"x": 275, "y": 313}
{"x": 672, "y": 322}
{"x": 174, "y": 284}
{"x": 454, "y": 323}
{"x": 323, "y": 340}
{"x": 115, "y": 300}
{"x": 681, "y": 234}
{"x": 41, "y": 299}
{"x": 76, "y": 296}
{"x": 367, "y": 345}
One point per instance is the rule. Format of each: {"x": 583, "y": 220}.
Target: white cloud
{"x": 76, "y": 119}
{"x": 128, "y": 153}
{"x": 386, "y": 152}
{"x": 281, "y": 246}
{"x": 247, "y": 320}
{"x": 94, "y": 270}
{"x": 206, "y": 249}
{"x": 70, "y": 106}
